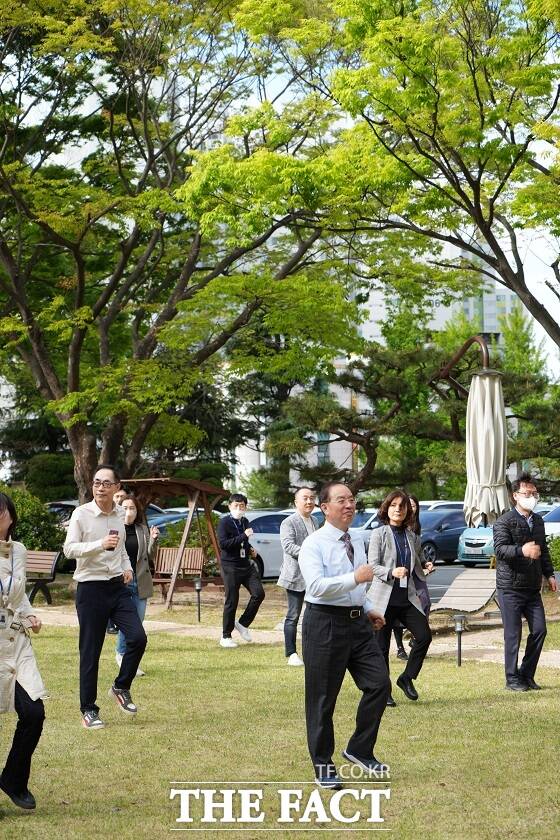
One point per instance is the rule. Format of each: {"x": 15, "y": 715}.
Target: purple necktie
{"x": 346, "y": 539}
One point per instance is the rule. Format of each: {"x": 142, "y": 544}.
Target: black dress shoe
{"x": 402, "y": 654}
{"x": 406, "y": 684}
{"x": 517, "y": 685}
{"x": 390, "y": 701}
{"x": 24, "y": 800}
{"x": 531, "y": 684}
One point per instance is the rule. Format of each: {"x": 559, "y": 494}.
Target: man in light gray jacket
{"x": 293, "y": 531}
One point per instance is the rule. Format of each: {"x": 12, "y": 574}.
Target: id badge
{"x": 4, "y": 619}
{"x": 403, "y": 582}
{"x": 242, "y": 552}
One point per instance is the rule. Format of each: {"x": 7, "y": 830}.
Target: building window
{"x": 323, "y": 448}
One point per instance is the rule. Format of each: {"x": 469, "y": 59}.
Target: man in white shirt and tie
{"x": 338, "y": 635}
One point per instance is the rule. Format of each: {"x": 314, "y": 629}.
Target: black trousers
{"x": 332, "y": 645}
{"x": 96, "y": 603}
{"x": 234, "y": 578}
{"x": 295, "y": 605}
{"x": 417, "y": 623}
{"x": 515, "y": 604}
{"x": 31, "y": 715}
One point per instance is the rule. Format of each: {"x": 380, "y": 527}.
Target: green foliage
{"x": 37, "y": 529}
{"x": 554, "y": 548}
{"x": 50, "y": 477}
{"x": 181, "y": 214}
{"x": 259, "y": 488}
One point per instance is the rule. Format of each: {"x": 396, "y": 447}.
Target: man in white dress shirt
{"x": 95, "y": 539}
{"x": 338, "y": 635}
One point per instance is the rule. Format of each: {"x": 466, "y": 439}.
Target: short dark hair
{"x": 7, "y": 504}
{"x": 383, "y": 512}
{"x": 305, "y": 487}
{"x": 325, "y": 491}
{"x": 140, "y": 515}
{"x": 522, "y": 478}
{"x": 237, "y": 497}
{"x": 108, "y": 467}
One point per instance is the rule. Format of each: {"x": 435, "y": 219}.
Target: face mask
{"x": 527, "y": 504}
{"x": 129, "y": 517}
{"x": 237, "y": 514}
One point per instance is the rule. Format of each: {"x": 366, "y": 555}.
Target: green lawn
{"x": 468, "y": 761}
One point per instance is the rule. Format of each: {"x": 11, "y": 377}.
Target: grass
{"x": 468, "y": 761}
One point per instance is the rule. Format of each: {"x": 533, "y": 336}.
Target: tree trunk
{"x": 370, "y": 449}
{"x": 84, "y": 449}
{"x": 112, "y": 443}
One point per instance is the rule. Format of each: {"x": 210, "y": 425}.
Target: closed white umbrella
{"x": 486, "y": 496}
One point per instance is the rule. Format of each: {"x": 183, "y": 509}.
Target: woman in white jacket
{"x": 21, "y": 686}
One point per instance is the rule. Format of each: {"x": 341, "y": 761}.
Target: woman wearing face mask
{"x": 393, "y": 551}
{"x": 140, "y": 545}
{"x": 21, "y": 686}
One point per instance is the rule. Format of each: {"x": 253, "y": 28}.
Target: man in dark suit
{"x": 522, "y": 559}
{"x": 238, "y": 569}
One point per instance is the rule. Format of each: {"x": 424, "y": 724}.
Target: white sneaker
{"x": 118, "y": 657}
{"x": 243, "y": 632}
{"x": 294, "y": 659}
{"x": 140, "y": 673}
{"x": 229, "y": 643}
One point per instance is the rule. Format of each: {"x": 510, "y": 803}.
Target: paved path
{"x": 480, "y": 645}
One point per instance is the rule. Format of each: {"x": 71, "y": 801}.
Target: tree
{"x": 147, "y": 214}
{"x": 456, "y": 133}
{"x": 393, "y": 411}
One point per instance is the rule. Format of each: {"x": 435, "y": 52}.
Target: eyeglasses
{"x": 528, "y": 495}
{"x": 105, "y": 484}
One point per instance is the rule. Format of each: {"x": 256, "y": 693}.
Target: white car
{"x": 552, "y": 521}
{"x": 432, "y": 504}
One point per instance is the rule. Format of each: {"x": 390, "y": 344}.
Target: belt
{"x": 344, "y": 612}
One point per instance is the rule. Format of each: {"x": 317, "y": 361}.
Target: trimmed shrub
{"x": 37, "y": 529}
{"x": 554, "y": 548}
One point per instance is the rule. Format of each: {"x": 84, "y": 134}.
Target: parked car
{"x": 440, "y": 534}
{"x": 476, "y": 545}
{"x": 63, "y": 510}
{"x": 552, "y": 521}
{"x": 433, "y": 504}
{"x": 266, "y": 538}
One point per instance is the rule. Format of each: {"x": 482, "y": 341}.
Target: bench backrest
{"x": 470, "y": 592}
{"x": 191, "y": 562}
{"x": 40, "y": 563}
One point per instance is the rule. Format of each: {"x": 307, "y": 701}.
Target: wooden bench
{"x": 40, "y": 570}
{"x": 190, "y": 569}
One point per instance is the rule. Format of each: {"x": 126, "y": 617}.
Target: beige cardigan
{"x": 17, "y": 660}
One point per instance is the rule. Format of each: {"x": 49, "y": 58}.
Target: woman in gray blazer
{"x": 393, "y": 551}
{"x": 140, "y": 545}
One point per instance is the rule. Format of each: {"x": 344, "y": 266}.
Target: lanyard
{"x": 406, "y": 551}
{"x": 5, "y": 597}
{"x": 239, "y": 527}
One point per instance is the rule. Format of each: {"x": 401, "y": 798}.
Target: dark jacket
{"x": 232, "y": 537}
{"x": 513, "y": 569}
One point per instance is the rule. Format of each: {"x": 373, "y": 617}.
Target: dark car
{"x": 441, "y": 530}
